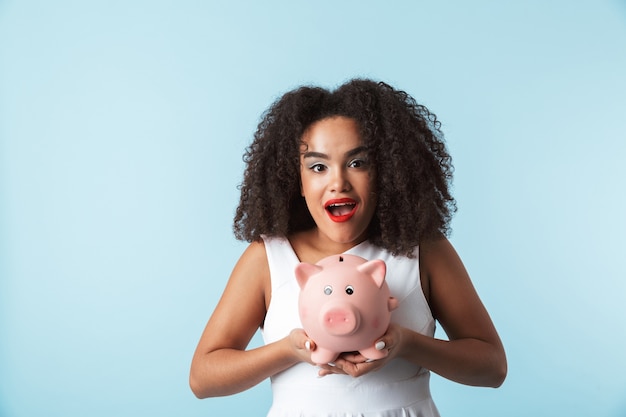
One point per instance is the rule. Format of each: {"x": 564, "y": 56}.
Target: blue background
{"x": 122, "y": 125}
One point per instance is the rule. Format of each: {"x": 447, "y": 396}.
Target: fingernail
{"x": 380, "y": 345}
{"x": 332, "y": 363}
{"x": 307, "y": 345}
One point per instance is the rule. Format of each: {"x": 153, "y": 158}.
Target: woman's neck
{"x": 310, "y": 246}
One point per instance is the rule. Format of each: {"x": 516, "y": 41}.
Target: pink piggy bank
{"x": 344, "y": 305}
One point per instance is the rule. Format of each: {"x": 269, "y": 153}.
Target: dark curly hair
{"x": 403, "y": 140}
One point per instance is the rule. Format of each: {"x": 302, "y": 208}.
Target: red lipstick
{"x": 340, "y": 209}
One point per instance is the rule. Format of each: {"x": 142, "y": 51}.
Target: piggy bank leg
{"x": 323, "y": 356}
{"x": 373, "y": 353}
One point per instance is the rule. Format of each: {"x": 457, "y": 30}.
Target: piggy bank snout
{"x": 340, "y": 320}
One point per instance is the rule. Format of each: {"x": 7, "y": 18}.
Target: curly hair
{"x": 403, "y": 140}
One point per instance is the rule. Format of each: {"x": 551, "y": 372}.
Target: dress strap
{"x": 281, "y": 259}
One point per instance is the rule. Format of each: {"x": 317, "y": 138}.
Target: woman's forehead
{"x": 332, "y": 135}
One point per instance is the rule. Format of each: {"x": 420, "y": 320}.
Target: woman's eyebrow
{"x": 356, "y": 151}
{"x": 312, "y": 154}
{"x": 351, "y": 152}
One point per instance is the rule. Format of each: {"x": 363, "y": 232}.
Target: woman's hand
{"x": 301, "y": 345}
{"x": 355, "y": 364}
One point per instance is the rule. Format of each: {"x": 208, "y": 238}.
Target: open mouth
{"x": 340, "y": 210}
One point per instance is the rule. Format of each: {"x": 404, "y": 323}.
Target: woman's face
{"x": 337, "y": 180}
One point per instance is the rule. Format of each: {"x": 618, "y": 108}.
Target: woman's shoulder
{"x": 253, "y": 257}
{"x": 437, "y": 251}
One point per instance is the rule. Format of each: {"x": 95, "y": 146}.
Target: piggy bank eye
{"x": 349, "y": 290}
{"x": 328, "y": 290}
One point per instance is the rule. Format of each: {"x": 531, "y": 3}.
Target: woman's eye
{"x": 328, "y": 290}
{"x": 317, "y": 168}
{"x": 357, "y": 163}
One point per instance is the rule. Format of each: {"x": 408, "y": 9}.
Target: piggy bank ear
{"x": 304, "y": 271}
{"x": 376, "y": 269}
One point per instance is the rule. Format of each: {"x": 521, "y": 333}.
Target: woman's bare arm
{"x": 474, "y": 354}
{"x": 221, "y": 364}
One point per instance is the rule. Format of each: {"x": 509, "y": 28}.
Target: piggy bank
{"x": 344, "y": 305}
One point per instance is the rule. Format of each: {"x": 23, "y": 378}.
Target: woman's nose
{"x": 339, "y": 181}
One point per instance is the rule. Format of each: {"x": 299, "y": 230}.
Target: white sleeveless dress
{"x": 400, "y": 389}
